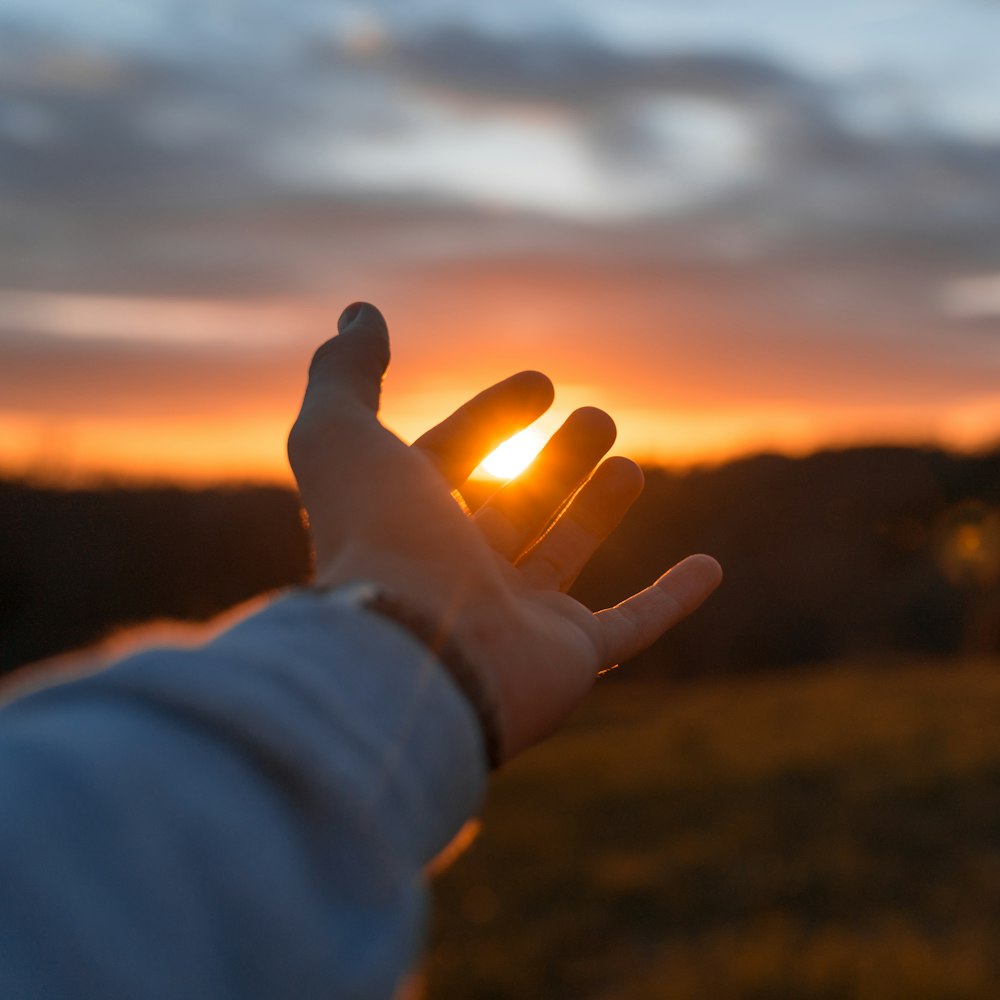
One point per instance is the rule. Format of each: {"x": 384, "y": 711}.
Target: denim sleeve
{"x": 246, "y": 819}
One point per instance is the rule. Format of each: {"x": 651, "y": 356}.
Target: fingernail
{"x": 362, "y": 312}
{"x": 350, "y": 314}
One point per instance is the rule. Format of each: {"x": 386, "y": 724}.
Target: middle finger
{"x": 517, "y": 514}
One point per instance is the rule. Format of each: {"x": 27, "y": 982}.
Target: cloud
{"x": 140, "y": 169}
{"x": 121, "y": 132}
{"x": 48, "y": 375}
{"x": 575, "y": 71}
{"x": 813, "y": 176}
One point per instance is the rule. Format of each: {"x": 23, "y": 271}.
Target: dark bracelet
{"x": 376, "y": 598}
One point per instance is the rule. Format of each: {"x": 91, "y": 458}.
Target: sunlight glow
{"x": 514, "y": 455}
{"x": 968, "y": 549}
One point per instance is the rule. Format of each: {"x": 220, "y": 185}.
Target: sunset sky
{"x": 735, "y": 225}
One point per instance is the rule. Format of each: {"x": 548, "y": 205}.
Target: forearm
{"x": 247, "y": 819}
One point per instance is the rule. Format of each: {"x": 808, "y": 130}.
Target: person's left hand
{"x": 494, "y": 584}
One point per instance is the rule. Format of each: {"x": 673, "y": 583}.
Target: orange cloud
{"x": 695, "y": 365}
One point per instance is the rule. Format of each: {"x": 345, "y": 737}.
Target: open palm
{"x": 494, "y": 582}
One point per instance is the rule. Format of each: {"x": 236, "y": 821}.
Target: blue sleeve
{"x": 247, "y": 819}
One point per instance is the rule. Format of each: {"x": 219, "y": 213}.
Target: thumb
{"x": 351, "y": 365}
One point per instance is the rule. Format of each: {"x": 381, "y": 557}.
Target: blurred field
{"x": 819, "y": 832}
{"x": 828, "y": 835}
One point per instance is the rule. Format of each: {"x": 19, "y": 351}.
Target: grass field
{"x": 832, "y": 834}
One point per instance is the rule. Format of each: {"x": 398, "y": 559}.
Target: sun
{"x": 514, "y": 455}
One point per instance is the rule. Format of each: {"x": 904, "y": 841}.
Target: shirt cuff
{"x": 335, "y": 702}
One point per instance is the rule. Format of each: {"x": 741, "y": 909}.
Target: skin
{"x": 495, "y": 582}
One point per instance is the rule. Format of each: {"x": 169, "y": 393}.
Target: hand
{"x": 494, "y": 583}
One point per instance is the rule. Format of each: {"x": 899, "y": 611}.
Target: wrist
{"x": 437, "y": 635}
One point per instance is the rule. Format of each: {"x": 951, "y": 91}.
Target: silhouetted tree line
{"x": 863, "y": 553}
{"x": 856, "y": 553}
{"x": 76, "y": 565}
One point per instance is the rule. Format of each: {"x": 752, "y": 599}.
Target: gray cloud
{"x": 824, "y": 181}
{"x": 579, "y": 72}
{"x": 146, "y": 171}
{"x": 118, "y": 131}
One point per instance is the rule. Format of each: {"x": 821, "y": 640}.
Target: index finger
{"x": 459, "y": 443}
